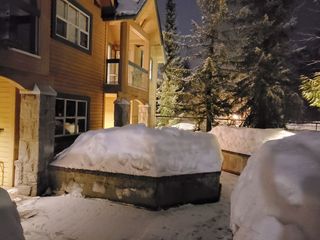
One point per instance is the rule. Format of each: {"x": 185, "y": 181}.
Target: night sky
{"x": 186, "y": 11}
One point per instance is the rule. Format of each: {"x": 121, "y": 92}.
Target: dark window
{"x": 72, "y": 23}
{"x": 19, "y": 24}
{"x": 71, "y": 116}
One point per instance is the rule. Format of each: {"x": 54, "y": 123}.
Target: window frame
{"x": 32, "y": 10}
{"x": 79, "y": 9}
{"x": 76, "y": 117}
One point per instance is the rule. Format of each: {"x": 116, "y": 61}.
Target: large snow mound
{"x": 142, "y": 151}
{"x": 10, "y": 227}
{"x": 246, "y": 140}
{"x": 277, "y": 196}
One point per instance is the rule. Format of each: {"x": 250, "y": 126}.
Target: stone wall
{"x": 150, "y": 192}
{"x": 234, "y": 162}
{"x": 36, "y": 142}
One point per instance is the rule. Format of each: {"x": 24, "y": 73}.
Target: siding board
{"x": 79, "y": 73}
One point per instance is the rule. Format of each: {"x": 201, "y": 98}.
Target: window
{"x": 71, "y": 116}
{"x": 19, "y": 24}
{"x": 113, "y": 63}
{"x": 72, "y": 24}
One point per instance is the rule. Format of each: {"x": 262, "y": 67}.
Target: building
{"x": 67, "y": 67}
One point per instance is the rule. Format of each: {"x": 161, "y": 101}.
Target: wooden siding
{"x": 79, "y": 73}
{"x": 28, "y": 69}
{"x": 7, "y": 137}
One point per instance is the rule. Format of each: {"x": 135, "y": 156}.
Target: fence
{"x": 302, "y": 126}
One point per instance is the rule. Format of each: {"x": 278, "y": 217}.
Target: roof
{"x": 124, "y": 9}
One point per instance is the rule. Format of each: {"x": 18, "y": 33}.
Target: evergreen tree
{"x": 170, "y": 89}
{"x": 207, "y": 99}
{"x": 268, "y": 82}
{"x": 209, "y": 85}
{"x": 170, "y": 34}
{"x": 311, "y": 89}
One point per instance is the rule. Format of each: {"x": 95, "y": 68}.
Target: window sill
{"x": 25, "y": 53}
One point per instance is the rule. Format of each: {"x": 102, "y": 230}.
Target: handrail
{"x": 138, "y": 67}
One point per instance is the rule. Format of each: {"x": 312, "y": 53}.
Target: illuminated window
{"x": 71, "y": 116}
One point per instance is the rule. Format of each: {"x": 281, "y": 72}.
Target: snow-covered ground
{"x": 246, "y": 140}
{"x": 185, "y": 126}
{"x": 142, "y": 151}
{"x": 69, "y": 218}
{"x": 277, "y": 196}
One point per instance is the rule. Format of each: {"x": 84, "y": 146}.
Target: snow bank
{"x": 278, "y": 196}
{"x": 246, "y": 140}
{"x": 142, "y": 151}
{"x": 185, "y": 126}
{"x": 10, "y": 227}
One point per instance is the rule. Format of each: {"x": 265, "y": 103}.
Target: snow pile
{"x": 246, "y": 140}
{"x": 185, "y": 126}
{"x": 10, "y": 227}
{"x": 138, "y": 150}
{"x": 278, "y": 195}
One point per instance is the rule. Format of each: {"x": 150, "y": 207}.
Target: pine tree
{"x": 311, "y": 89}
{"x": 209, "y": 85}
{"x": 170, "y": 34}
{"x": 268, "y": 82}
{"x": 169, "y": 91}
{"x": 207, "y": 98}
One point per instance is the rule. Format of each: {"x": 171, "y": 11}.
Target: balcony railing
{"x": 137, "y": 76}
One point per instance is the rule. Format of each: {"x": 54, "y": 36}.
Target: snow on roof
{"x": 246, "y": 140}
{"x": 142, "y": 151}
{"x": 277, "y": 195}
{"x": 129, "y": 7}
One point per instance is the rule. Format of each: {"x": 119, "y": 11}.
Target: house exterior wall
{"x": 59, "y": 68}
{"x": 27, "y": 69}
{"x": 80, "y": 73}
{"x": 7, "y": 132}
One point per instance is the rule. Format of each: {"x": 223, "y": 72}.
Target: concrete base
{"x": 150, "y": 192}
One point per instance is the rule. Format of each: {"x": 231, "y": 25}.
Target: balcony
{"x": 137, "y": 76}
{"x": 112, "y": 84}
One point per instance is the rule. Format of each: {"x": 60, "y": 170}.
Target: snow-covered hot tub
{"x": 154, "y": 168}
